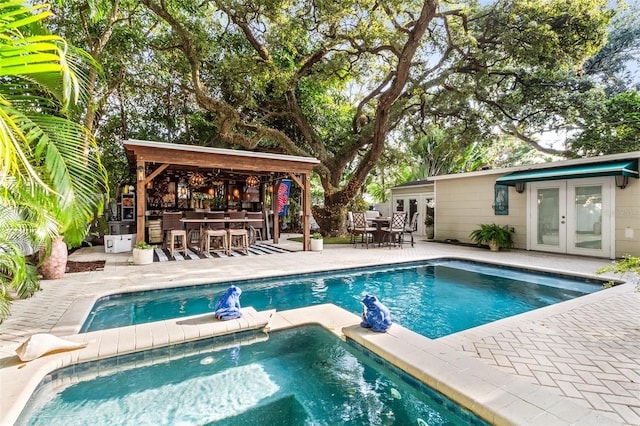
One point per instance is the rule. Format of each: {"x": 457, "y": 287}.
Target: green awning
{"x": 621, "y": 168}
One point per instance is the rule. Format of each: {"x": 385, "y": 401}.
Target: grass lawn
{"x": 328, "y": 240}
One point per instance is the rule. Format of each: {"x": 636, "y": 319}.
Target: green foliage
{"x": 52, "y": 179}
{"x": 518, "y": 70}
{"x": 328, "y": 240}
{"x": 500, "y": 234}
{"x": 143, "y": 245}
{"x": 102, "y": 225}
{"x": 316, "y": 236}
{"x": 327, "y": 79}
{"x": 358, "y": 204}
{"x": 612, "y": 128}
{"x": 627, "y": 265}
{"x": 611, "y": 66}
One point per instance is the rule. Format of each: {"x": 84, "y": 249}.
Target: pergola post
{"x": 274, "y": 209}
{"x": 141, "y": 199}
{"x": 306, "y": 211}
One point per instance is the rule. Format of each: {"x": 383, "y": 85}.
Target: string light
{"x": 196, "y": 180}
{"x": 252, "y": 181}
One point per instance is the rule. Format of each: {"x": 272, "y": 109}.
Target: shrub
{"x": 143, "y": 245}
{"x": 501, "y": 235}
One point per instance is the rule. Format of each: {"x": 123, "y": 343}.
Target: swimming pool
{"x": 433, "y": 298}
{"x": 242, "y": 379}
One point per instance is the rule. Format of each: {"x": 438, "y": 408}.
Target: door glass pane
{"x": 413, "y": 207}
{"x": 400, "y": 205}
{"x": 548, "y": 216}
{"x": 588, "y": 217}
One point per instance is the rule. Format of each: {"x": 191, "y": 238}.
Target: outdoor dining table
{"x": 380, "y": 222}
{"x": 251, "y": 230}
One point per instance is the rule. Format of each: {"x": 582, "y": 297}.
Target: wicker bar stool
{"x": 172, "y": 230}
{"x": 238, "y": 235}
{"x": 216, "y": 234}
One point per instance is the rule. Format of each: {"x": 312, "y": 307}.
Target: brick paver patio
{"x": 587, "y": 349}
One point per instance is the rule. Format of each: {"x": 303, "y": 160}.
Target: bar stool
{"x": 172, "y": 229}
{"x": 256, "y": 220}
{"x": 238, "y": 235}
{"x": 219, "y": 239}
{"x": 216, "y": 234}
{"x": 239, "y": 239}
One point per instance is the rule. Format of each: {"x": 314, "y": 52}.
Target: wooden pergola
{"x": 164, "y": 156}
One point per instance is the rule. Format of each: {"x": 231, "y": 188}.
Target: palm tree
{"x": 50, "y": 185}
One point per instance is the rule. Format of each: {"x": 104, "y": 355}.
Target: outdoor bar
{"x": 198, "y": 181}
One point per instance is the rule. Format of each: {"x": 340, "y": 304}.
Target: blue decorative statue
{"x": 375, "y": 316}
{"x": 228, "y": 306}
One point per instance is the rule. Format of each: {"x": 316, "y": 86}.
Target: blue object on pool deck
{"x": 228, "y": 306}
{"x": 376, "y": 316}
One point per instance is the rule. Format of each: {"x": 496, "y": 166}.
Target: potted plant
{"x": 316, "y": 241}
{"x": 101, "y": 229}
{"x": 142, "y": 253}
{"x": 496, "y": 236}
{"x": 428, "y": 222}
{"x": 54, "y": 263}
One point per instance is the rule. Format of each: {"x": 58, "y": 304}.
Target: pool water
{"x": 433, "y": 298}
{"x": 301, "y": 376}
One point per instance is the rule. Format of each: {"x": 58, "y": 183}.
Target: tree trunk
{"x": 332, "y": 219}
{"x": 55, "y": 266}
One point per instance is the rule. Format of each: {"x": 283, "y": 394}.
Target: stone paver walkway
{"x": 587, "y": 349}
{"x": 590, "y": 354}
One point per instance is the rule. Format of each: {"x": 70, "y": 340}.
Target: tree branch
{"x": 513, "y": 131}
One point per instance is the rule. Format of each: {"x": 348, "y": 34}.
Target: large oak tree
{"x": 332, "y": 80}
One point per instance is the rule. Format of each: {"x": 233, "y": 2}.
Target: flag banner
{"x": 283, "y": 197}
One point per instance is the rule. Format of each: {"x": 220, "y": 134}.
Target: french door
{"x": 572, "y": 216}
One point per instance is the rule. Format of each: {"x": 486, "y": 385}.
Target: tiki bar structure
{"x": 175, "y": 177}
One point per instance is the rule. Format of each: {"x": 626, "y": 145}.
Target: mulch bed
{"x": 94, "y": 265}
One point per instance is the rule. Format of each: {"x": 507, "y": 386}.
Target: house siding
{"x": 464, "y": 203}
{"x": 627, "y": 219}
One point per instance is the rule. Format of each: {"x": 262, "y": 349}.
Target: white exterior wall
{"x": 627, "y": 219}
{"x": 464, "y": 203}
{"x": 421, "y": 193}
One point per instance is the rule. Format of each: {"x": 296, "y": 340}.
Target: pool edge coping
{"x": 492, "y": 395}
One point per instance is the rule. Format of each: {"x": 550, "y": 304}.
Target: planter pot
{"x": 493, "y": 246}
{"x": 317, "y": 245}
{"x": 54, "y": 266}
{"x": 429, "y": 231}
{"x": 142, "y": 256}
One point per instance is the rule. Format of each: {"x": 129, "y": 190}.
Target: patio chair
{"x": 172, "y": 229}
{"x": 395, "y": 230}
{"x": 350, "y": 227}
{"x": 412, "y": 227}
{"x": 361, "y": 228}
{"x": 371, "y": 214}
